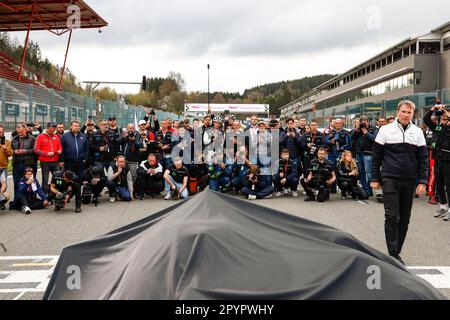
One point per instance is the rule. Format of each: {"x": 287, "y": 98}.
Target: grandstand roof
{"x": 47, "y": 15}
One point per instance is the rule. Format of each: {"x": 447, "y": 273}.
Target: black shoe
{"x": 310, "y": 198}
{"x": 77, "y": 210}
{"x": 141, "y": 197}
{"x": 398, "y": 258}
{"x": 95, "y": 201}
{"x": 2, "y": 207}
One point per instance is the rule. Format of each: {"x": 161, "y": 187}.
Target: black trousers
{"x": 76, "y": 167}
{"x": 398, "y": 200}
{"x": 442, "y": 176}
{"x": 26, "y": 200}
{"x": 146, "y": 183}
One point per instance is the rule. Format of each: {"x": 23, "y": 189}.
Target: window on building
{"x": 429, "y": 47}
{"x": 413, "y": 48}
{"x": 383, "y": 63}
{"x": 406, "y": 52}
{"x": 397, "y": 55}
{"x": 417, "y": 78}
{"x": 389, "y": 60}
{"x": 378, "y": 65}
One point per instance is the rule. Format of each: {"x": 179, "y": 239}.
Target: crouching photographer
{"x": 63, "y": 187}
{"x": 321, "y": 177}
{"x": 255, "y": 187}
{"x": 441, "y": 152}
{"x": 94, "y": 181}
{"x": 150, "y": 178}
{"x": 347, "y": 178}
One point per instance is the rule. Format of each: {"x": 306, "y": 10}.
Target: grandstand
{"x": 27, "y": 97}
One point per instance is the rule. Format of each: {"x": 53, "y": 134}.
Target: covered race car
{"x": 215, "y": 246}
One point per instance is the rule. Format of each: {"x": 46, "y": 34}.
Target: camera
{"x": 2, "y": 140}
{"x": 362, "y": 126}
{"x": 152, "y": 112}
{"x": 439, "y": 112}
{"x": 131, "y": 134}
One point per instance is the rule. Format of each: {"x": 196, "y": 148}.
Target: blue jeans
{"x": 5, "y": 171}
{"x": 214, "y": 184}
{"x": 365, "y": 171}
{"x": 183, "y": 195}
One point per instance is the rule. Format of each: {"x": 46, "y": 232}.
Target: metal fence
{"x": 22, "y": 102}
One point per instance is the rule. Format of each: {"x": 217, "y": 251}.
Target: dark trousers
{"x": 398, "y": 201}
{"x": 323, "y": 190}
{"x": 48, "y": 167}
{"x": 259, "y": 193}
{"x": 442, "y": 176}
{"x": 291, "y": 183}
{"x": 26, "y": 200}
{"x": 76, "y": 167}
{"x": 148, "y": 184}
{"x": 97, "y": 189}
{"x": 74, "y": 192}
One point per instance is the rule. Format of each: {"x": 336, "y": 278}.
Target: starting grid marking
{"x": 31, "y": 274}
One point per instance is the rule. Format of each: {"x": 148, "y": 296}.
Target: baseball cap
{"x": 112, "y": 118}
{"x": 52, "y": 125}
{"x": 142, "y": 122}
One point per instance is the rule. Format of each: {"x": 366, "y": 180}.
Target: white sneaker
{"x": 26, "y": 210}
{"x": 168, "y": 196}
{"x": 268, "y": 197}
{"x": 447, "y": 216}
{"x": 440, "y": 213}
{"x": 251, "y": 197}
{"x": 286, "y": 192}
{"x": 112, "y": 199}
{"x": 278, "y": 194}
{"x": 295, "y": 194}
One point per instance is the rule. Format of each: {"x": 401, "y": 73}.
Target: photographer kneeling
{"x": 255, "y": 187}
{"x": 94, "y": 181}
{"x": 347, "y": 178}
{"x": 63, "y": 187}
{"x": 321, "y": 177}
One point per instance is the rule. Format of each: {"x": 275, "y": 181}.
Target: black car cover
{"x": 215, "y": 246}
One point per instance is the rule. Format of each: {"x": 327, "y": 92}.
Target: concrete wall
{"x": 428, "y": 65}
{"x": 445, "y": 70}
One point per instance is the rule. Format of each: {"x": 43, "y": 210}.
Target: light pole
{"x": 209, "y": 109}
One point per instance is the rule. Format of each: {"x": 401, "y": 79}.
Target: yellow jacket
{"x": 5, "y": 154}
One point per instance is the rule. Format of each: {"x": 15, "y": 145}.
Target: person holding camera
{"x": 29, "y": 195}
{"x": 399, "y": 158}
{"x": 48, "y": 148}
{"x": 440, "y": 145}
{"x": 255, "y": 187}
{"x": 286, "y": 179}
{"x": 63, "y": 187}
{"x": 148, "y": 141}
{"x": 363, "y": 138}
{"x": 152, "y": 123}
{"x": 23, "y": 154}
{"x": 311, "y": 142}
{"x": 116, "y": 133}
{"x": 5, "y": 152}
{"x": 291, "y": 140}
{"x": 131, "y": 143}
{"x": 321, "y": 176}
{"x": 218, "y": 179}
{"x": 120, "y": 181}
{"x": 94, "y": 181}
{"x": 150, "y": 178}
{"x": 164, "y": 144}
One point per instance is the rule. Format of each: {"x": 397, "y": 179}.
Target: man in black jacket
{"x": 23, "y": 154}
{"x": 399, "y": 156}
{"x": 130, "y": 144}
{"x": 102, "y": 146}
{"x": 363, "y": 138}
{"x": 150, "y": 177}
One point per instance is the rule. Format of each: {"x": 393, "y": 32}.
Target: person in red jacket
{"x": 48, "y": 148}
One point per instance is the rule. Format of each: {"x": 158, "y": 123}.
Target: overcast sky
{"x": 247, "y": 42}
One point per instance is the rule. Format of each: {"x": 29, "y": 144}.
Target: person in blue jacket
{"x": 30, "y": 195}
{"x": 75, "y": 147}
